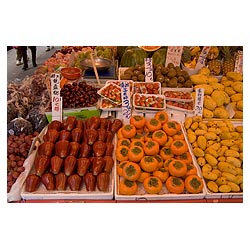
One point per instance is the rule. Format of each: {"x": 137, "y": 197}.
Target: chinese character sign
{"x": 126, "y": 102}
{"x": 148, "y": 62}
{"x": 55, "y": 97}
{"x": 174, "y": 54}
{"x": 199, "y": 101}
{"x": 202, "y": 58}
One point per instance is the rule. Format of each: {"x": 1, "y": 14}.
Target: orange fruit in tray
{"x": 175, "y": 185}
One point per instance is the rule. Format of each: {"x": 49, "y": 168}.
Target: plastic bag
{"x": 37, "y": 118}
{"x": 19, "y": 126}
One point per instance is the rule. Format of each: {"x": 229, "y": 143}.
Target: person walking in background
{"x": 25, "y": 56}
{"x": 18, "y": 55}
{"x": 48, "y": 48}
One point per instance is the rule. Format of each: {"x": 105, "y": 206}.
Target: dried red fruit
{"x": 90, "y": 181}
{"x": 69, "y": 164}
{"x": 55, "y": 125}
{"x": 83, "y": 165}
{"x": 65, "y": 135}
{"x": 109, "y": 148}
{"x": 91, "y": 135}
{"x": 74, "y": 148}
{"x": 51, "y": 135}
{"x": 116, "y": 125}
{"x": 97, "y": 165}
{"x": 99, "y": 148}
{"x": 69, "y": 123}
{"x": 41, "y": 164}
{"x": 46, "y": 148}
{"x": 56, "y": 164}
{"x": 103, "y": 181}
{"x": 85, "y": 150}
{"x": 102, "y": 134}
{"x": 74, "y": 182}
{"x": 32, "y": 183}
{"x": 48, "y": 179}
{"x": 61, "y": 181}
{"x": 62, "y": 148}
{"x": 109, "y": 163}
{"x": 76, "y": 134}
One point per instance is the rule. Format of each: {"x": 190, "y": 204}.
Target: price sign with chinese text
{"x": 174, "y": 54}
{"x": 126, "y": 102}
{"x": 149, "y": 77}
{"x": 56, "y": 99}
{"x": 202, "y": 58}
{"x": 239, "y": 62}
{"x": 199, "y": 101}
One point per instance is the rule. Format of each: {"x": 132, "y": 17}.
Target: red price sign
{"x": 55, "y": 97}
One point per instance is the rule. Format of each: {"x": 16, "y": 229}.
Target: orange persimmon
{"x": 152, "y": 124}
{"x": 193, "y": 184}
{"x": 186, "y": 157}
{"x": 175, "y": 185}
{"x": 179, "y": 147}
{"x": 177, "y": 168}
{"x": 162, "y": 116}
{"x": 171, "y": 127}
{"x": 123, "y": 142}
{"x": 131, "y": 171}
{"x": 166, "y": 153}
{"x": 127, "y": 187}
{"x": 138, "y": 143}
{"x": 143, "y": 176}
{"x": 128, "y": 131}
{"x": 135, "y": 153}
{"x": 138, "y": 121}
{"x": 119, "y": 133}
{"x": 160, "y": 137}
{"x": 161, "y": 173}
{"x": 160, "y": 160}
{"x": 149, "y": 163}
{"x": 122, "y": 153}
{"x": 152, "y": 185}
{"x": 179, "y": 135}
{"x": 120, "y": 167}
{"x": 167, "y": 161}
{"x": 191, "y": 170}
{"x": 151, "y": 147}
{"x": 169, "y": 141}
{"x": 138, "y": 136}
{"x": 148, "y": 136}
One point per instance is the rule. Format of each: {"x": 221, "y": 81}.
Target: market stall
{"x": 128, "y": 124}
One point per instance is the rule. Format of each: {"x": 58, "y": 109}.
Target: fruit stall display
{"x": 163, "y": 136}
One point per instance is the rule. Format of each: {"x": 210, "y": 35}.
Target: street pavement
{"x": 16, "y": 73}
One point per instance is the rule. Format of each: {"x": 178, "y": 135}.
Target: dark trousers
{"x": 25, "y": 57}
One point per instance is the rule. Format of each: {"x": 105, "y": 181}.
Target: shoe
{"x": 48, "y": 49}
{"x": 34, "y": 64}
{"x": 18, "y": 62}
{"x": 25, "y": 68}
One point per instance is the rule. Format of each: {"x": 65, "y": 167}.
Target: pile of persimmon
{"x": 152, "y": 152}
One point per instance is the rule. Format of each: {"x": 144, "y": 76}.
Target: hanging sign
{"x": 126, "y": 102}
{"x": 239, "y": 62}
{"x": 202, "y": 58}
{"x": 149, "y": 77}
{"x": 55, "y": 97}
{"x": 174, "y": 54}
{"x": 199, "y": 101}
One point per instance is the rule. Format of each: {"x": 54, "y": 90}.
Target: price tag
{"x": 174, "y": 54}
{"x": 148, "y": 62}
{"x": 55, "y": 97}
{"x": 202, "y": 58}
{"x": 199, "y": 101}
{"x": 239, "y": 62}
{"x": 126, "y": 102}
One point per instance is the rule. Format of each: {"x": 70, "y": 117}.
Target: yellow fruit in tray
{"x": 207, "y": 113}
{"x": 236, "y": 97}
{"x": 216, "y": 85}
{"x": 212, "y": 186}
{"x": 234, "y": 76}
{"x": 204, "y": 71}
{"x": 238, "y": 114}
{"x": 230, "y": 90}
{"x": 199, "y": 79}
{"x": 239, "y": 105}
{"x": 224, "y": 188}
{"x": 221, "y": 112}
{"x": 237, "y": 86}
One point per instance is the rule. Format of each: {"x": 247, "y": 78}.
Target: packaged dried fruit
{"x": 147, "y": 87}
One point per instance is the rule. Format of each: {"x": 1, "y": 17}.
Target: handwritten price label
{"x": 148, "y": 62}
{"x": 199, "y": 101}
{"x": 239, "y": 62}
{"x": 56, "y": 99}
{"x": 126, "y": 102}
{"x": 174, "y": 54}
{"x": 202, "y": 58}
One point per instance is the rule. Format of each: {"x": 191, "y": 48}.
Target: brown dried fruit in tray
{"x": 65, "y": 135}
{"x": 102, "y": 134}
{"x": 69, "y": 123}
{"x": 97, "y": 165}
{"x": 55, "y": 125}
{"x": 90, "y": 181}
{"x": 62, "y": 148}
{"x": 51, "y": 135}
{"x": 32, "y": 183}
{"x": 99, "y": 148}
{"x": 83, "y": 165}
{"x": 74, "y": 148}
{"x": 76, "y": 134}
{"x": 56, "y": 164}
{"x": 69, "y": 165}
{"x": 61, "y": 181}
{"x": 109, "y": 163}
{"x": 103, "y": 181}
{"x": 74, "y": 182}
{"x": 46, "y": 148}
{"x": 116, "y": 125}
{"x": 41, "y": 164}
{"x": 48, "y": 180}
{"x": 85, "y": 150}
{"x": 91, "y": 135}
{"x": 109, "y": 148}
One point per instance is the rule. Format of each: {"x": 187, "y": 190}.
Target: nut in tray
{"x": 149, "y": 101}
